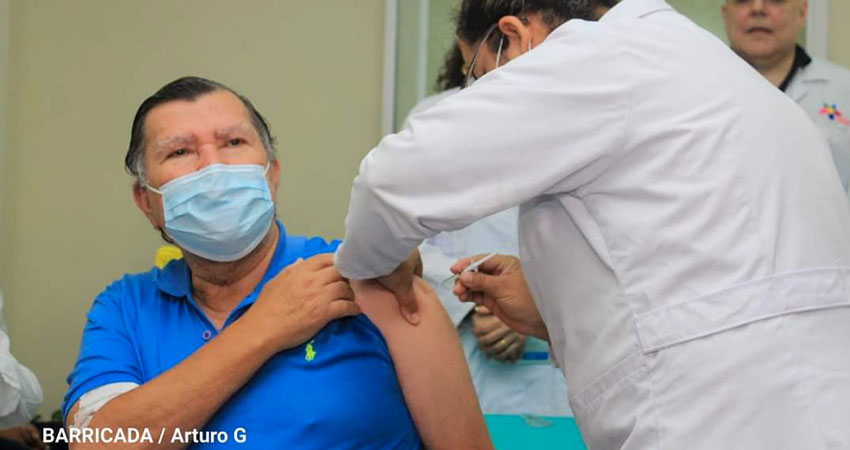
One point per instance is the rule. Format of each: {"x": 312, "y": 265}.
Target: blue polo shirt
{"x": 337, "y": 390}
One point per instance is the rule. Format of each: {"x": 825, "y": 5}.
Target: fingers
{"x": 460, "y": 291}
{"x": 495, "y": 264}
{"x": 512, "y": 352}
{"x": 480, "y": 299}
{"x": 485, "y": 324}
{"x": 498, "y": 264}
{"x": 483, "y": 310}
{"x": 416, "y": 260}
{"x": 464, "y": 262}
{"x": 494, "y": 336}
{"x": 339, "y": 290}
{"x": 480, "y": 282}
{"x": 32, "y": 438}
{"x": 328, "y": 275}
{"x": 342, "y": 308}
{"x": 319, "y": 261}
{"x": 407, "y": 302}
{"x": 501, "y": 344}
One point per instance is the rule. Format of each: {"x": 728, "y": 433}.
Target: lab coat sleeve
{"x": 20, "y": 392}
{"x": 548, "y": 122}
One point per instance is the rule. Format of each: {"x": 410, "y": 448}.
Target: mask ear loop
{"x": 151, "y": 188}
{"x": 499, "y": 52}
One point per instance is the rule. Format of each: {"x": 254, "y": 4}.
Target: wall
{"x": 77, "y": 72}
{"x": 706, "y": 13}
{"x": 4, "y": 72}
{"x": 839, "y": 32}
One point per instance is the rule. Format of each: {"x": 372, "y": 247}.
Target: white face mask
{"x": 221, "y": 212}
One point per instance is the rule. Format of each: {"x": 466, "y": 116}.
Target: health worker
{"x": 687, "y": 259}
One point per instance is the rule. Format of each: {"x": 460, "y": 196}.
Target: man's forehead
{"x": 766, "y": 2}
{"x": 218, "y": 111}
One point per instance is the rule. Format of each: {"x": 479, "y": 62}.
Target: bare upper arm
{"x": 430, "y": 366}
{"x": 69, "y": 419}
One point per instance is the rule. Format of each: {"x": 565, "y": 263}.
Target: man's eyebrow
{"x": 175, "y": 141}
{"x": 234, "y": 129}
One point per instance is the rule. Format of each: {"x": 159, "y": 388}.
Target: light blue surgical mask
{"x": 220, "y": 212}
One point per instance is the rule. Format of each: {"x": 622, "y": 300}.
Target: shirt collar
{"x": 635, "y": 8}
{"x": 801, "y": 60}
{"x": 816, "y": 72}
{"x": 175, "y": 279}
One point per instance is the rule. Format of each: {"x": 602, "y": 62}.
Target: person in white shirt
{"x": 20, "y": 393}
{"x": 687, "y": 258}
{"x": 764, "y": 33}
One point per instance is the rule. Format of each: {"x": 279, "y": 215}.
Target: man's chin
{"x": 758, "y": 49}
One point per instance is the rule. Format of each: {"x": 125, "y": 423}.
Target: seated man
{"x": 242, "y": 336}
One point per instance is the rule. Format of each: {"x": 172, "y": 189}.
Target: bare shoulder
{"x": 381, "y": 307}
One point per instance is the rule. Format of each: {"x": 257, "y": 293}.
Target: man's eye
{"x": 179, "y": 152}
{"x": 236, "y": 141}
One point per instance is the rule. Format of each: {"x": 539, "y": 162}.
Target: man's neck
{"x": 776, "y": 68}
{"x": 218, "y": 287}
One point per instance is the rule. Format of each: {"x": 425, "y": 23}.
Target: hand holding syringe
{"x": 470, "y": 268}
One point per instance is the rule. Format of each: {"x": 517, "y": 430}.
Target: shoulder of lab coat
{"x": 429, "y": 102}
{"x": 547, "y": 122}
{"x": 20, "y": 393}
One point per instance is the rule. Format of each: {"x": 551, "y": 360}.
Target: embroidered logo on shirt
{"x": 309, "y": 352}
{"x": 834, "y": 114}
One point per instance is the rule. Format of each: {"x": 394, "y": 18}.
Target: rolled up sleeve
{"x": 107, "y": 351}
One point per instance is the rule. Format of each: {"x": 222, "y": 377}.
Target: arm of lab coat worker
{"x": 549, "y": 122}
{"x": 20, "y": 392}
{"x": 431, "y": 368}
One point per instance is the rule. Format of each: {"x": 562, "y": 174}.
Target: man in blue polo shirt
{"x": 241, "y": 343}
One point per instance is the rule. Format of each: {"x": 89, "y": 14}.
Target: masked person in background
{"x": 764, "y": 33}
{"x": 513, "y": 373}
{"x": 255, "y": 329}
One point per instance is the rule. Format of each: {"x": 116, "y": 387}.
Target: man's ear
{"x": 274, "y": 174}
{"x": 804, "y": 10}
{"x": 143, "y": 202}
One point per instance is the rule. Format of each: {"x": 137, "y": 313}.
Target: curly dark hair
{"x": 475, "y": 17}
{"x": 451, "y": 73}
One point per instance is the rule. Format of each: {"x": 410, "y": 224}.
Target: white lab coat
{"x": 682, "y": 229}
{"x": 20, "y": 393}
{"x": 823, "y": 84}
{"x": 527, "y": 387}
